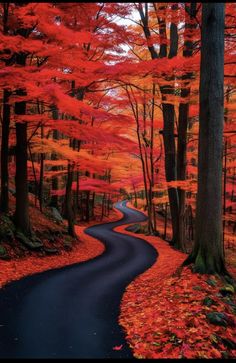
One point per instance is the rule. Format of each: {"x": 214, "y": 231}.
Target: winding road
{"x": 72, "y": 312}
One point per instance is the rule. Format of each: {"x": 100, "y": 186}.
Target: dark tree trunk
{"x": 224, "y": 190}
{"x": 182, "y": 127}
{"x": 168, "y": 114}
{"x": 69, "y": 202}
{"x": 108, "y": 205}
{"x": 40, "y": 192}
{"x": 87, "y": 217}
{"x": 93, "y": 205}
{"x": 4, "y": 202}
{"x": 55, "y": 182}
{"x": 207, "y": 254}
{"x": 190, "y": 223}
{"x": 77, "y": 199}
{"x": 232, "y": 193}
{"x": 144, "y": 170}
{"x": 4, "y": 199}
{"x": 169, "y": 138}
{"x": 181, "y": 166}
{"x": 22, "y": 219}
{"x": 170, "y": 166}
{"x": 166, "y": 220}
{"x": 135, "y": 197}
{"x": 103, "y": 203}
{"x": 162, "y": 32}
{"x": 54, "y": 198}
{"x": 35, "y": 177}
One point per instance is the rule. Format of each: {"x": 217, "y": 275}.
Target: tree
{"x": 4, "y": 201}
{"x": 207, "y": 254}
{"x": 22, "y": 219}
{"x": 190, "y": 26}
{"x": 168, "y": 108}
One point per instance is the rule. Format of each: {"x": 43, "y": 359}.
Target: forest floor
{"x": 165, "y": 313}
{"x": 59, "y": 249}
{"x": 168, "y": 313}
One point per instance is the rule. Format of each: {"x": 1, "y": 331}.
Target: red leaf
{"x": 118, "y": 347}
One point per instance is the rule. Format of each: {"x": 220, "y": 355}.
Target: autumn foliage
{"x": 165, "y": 310}
{"x": 100, "y": 102}
{"x": 99, "y": 107}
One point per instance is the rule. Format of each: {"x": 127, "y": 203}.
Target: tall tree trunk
{"x": 108, "y": 205}
{"x": 135, "y": 197}
{"x": 224, "y": 190}
{"x": 87, "y": 216}
{"x": 40, "y": 192}
{"x": 183, "y": 125}
{"x": 142, "y": 157}
{"x": 78, "y": 208}
{"x": 232, "y": 193}
{"x": 181, "y": 166}
{"x": 69, "y": 201}
{"x": 22, "y": 219}
{"x": 4, "y": 202}
{"x": 93, "y": 205}
{"x": 167, "y": 109}
{"x": 103, "y": 203}
{"x": 151, "y": 229}
{"x": 166, "y": 220}
{"x": 152, "y": 170}
{"x": 77, "y": 199}
{"x": 170, "y": 166}
{"x": 207, "y": 254}
{"x": 169, "y": 140}
{"x": 55, "y": 182}
{"x": 35, "y": 177}
{"x": 4, "y": 199}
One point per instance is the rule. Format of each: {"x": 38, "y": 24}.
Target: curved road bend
{"x": 72, "y": 312}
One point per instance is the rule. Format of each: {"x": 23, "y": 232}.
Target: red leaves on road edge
{"x": 164, "y": 316}
{"x": 86, "y": 248}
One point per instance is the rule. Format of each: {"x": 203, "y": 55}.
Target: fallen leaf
{"x": 118, "y": 347}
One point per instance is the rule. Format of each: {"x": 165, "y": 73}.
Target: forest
{"x": 118, "y": 180}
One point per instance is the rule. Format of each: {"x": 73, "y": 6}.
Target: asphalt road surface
{"x": 72, "y": 312}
